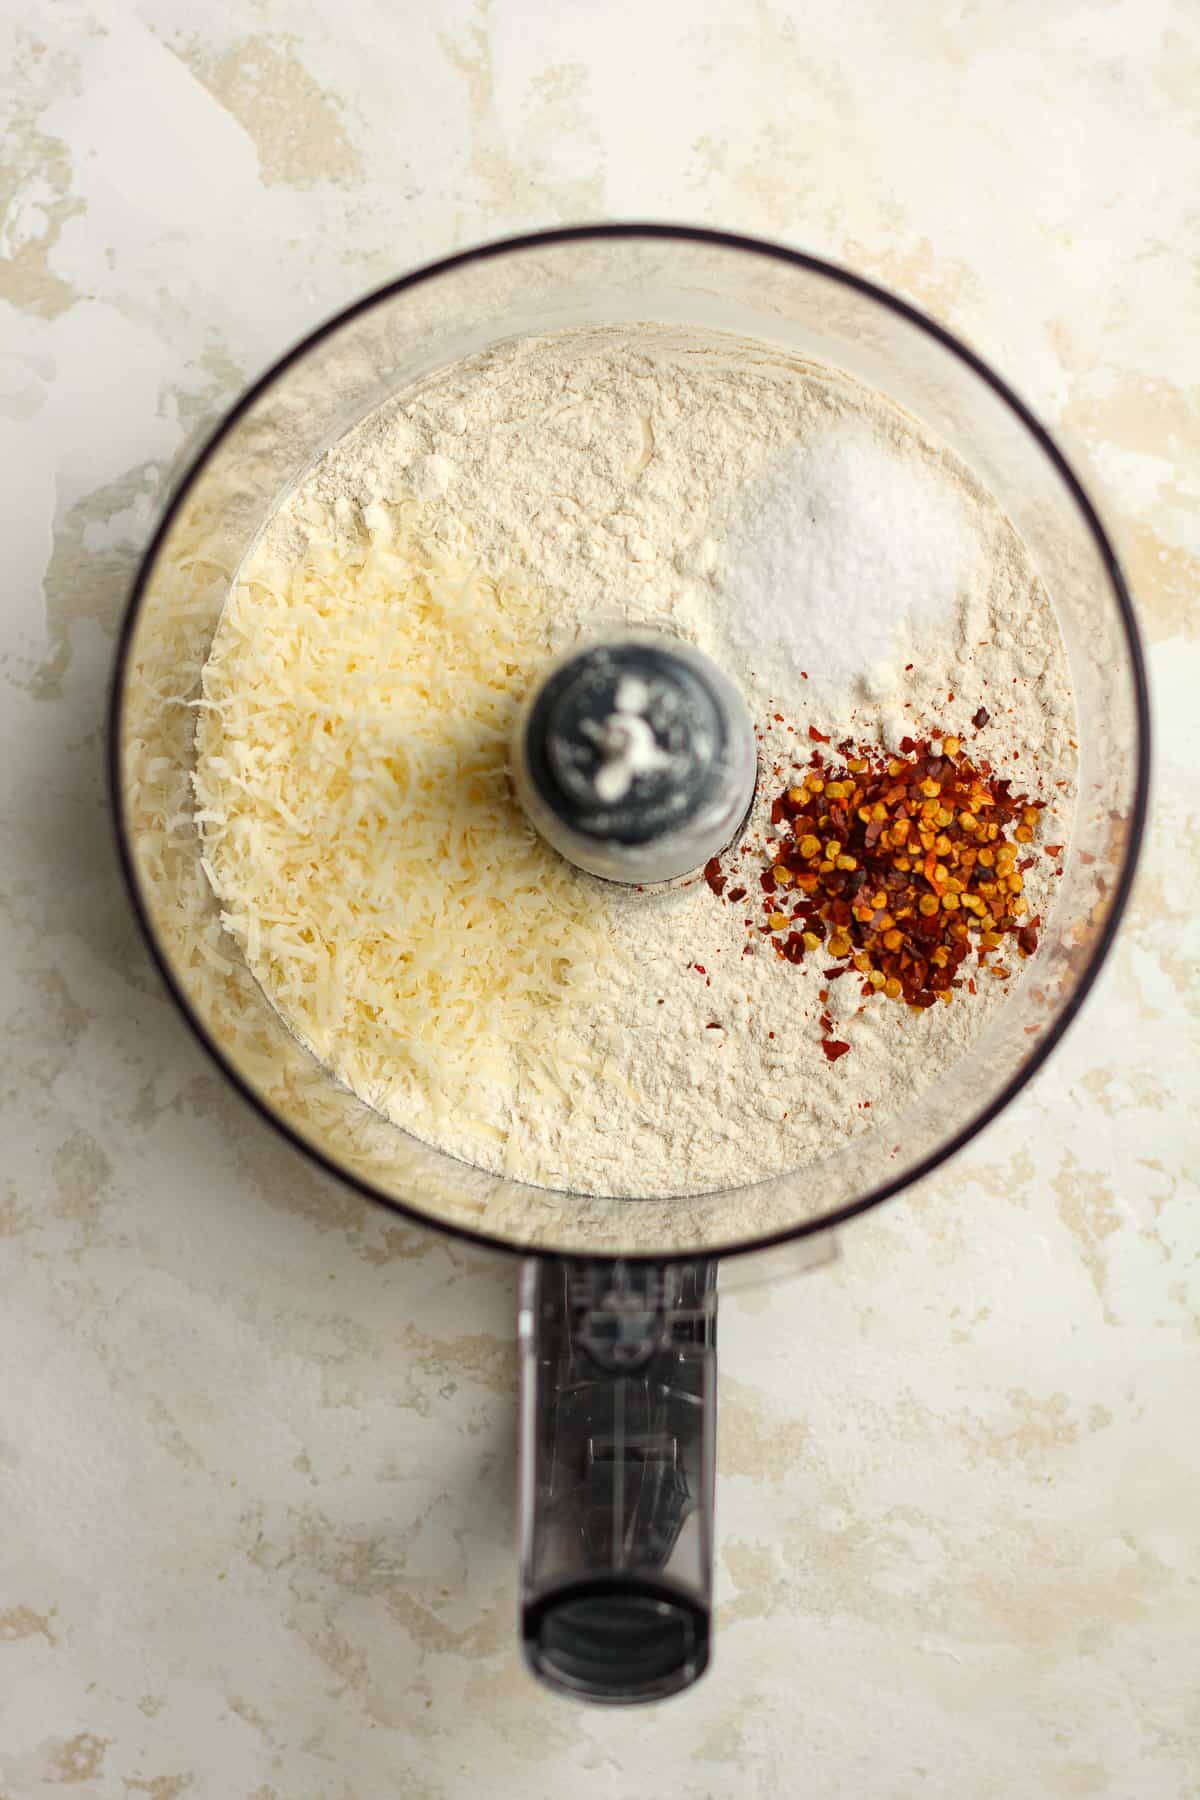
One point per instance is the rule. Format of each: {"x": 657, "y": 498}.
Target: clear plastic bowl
{"x": 585, "y": 277}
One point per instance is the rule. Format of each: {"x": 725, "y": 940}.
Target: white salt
{"x": 849, "y": 559}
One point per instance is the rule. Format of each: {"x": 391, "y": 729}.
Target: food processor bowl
{"x": 618, "y": 1297}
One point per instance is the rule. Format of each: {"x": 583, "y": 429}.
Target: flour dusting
{"x": 844, "y": 570}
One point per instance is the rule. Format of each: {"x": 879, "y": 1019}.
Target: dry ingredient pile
{"x": 893, "y": 643}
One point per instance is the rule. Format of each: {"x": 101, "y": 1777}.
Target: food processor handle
{"x": 618, "y": 1440}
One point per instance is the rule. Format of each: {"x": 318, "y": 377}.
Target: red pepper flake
{"x": 877, "y": 882}
{"x": 981, "y": 718}
{"x": 778, "y": 717}
{"x": 699, "y": 968}
{"x": 833, "y": 1048}
{"x": 737, "y": 893}
{"x": 714, "y": 877}
{"x": 804, "y": 674}
{"x": 907, "y": 667}
{"x": 1053, "y": 849}
{"x": 713, "y": 1026}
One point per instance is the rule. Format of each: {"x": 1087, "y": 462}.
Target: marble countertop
{"x": 256, "y": 1440}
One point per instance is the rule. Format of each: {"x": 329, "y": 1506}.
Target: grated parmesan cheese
{"x": 352, "y": 792}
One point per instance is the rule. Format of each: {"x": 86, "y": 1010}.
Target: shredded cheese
{"x": 359, "y": 831}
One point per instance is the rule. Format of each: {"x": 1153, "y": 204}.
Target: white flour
{"x": 847, "y": 574}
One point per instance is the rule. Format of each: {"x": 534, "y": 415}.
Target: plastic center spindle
{"x": 635, "y": 759}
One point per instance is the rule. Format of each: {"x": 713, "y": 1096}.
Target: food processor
{"x": 618, "y": 1297}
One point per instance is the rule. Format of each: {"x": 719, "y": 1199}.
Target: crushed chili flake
{"x": 737, "y": 893}
{"x": 897, "y": 867}
{"x": 712, "y": 874}
{"x": 818, "y": 737}
{"x": 981, "y": 718}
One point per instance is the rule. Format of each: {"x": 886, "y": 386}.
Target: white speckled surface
{"x": 256, "y": 1441}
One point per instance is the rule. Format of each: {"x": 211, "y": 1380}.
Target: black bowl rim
{"x": 1044, "y": 1045}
